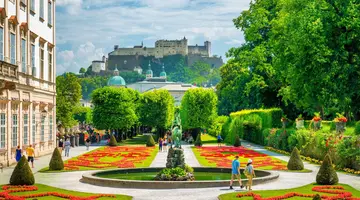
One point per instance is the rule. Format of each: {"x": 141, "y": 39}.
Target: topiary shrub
{"x": 112, "y": 142}
{"x": 189, "y": 169}
{"x": 198, "y": 142}
{"x": 317, "y": 197}
{"x": 357, "y": 128}
{"x": 22, "y": 174}
{"x": 56, "y": 162}
{"x": 327, "y": 174}
{"x": 237, "y": 142}
{"x": 295, "y": 162}
{"x": 150, "y": 141}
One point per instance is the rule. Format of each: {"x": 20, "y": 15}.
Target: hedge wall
{"x": 249, "y": 124}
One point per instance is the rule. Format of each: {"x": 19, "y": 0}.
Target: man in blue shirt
{"x": 236, "y": 172}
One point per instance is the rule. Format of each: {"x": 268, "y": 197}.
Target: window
{"x": 32, "y": 6}
{"x": 33, "y": 127}
{"x": 50, "y": 127}
{"x": 42, "y": 10}
{"x": 12, "y": 49}
{"x": 1, "y": 43}
{"x": 42, "y": 134}
{"x": 33, "y": 60}
{"x": 23, "y": 56}
{"x": 14, "y": 130}
{"x": 2, "y": 130}
{"x": 26, "y": 128}
{"x": 49, "y": 14}
{"x": 50, "y": 66}
{"x": 41, "y": 63}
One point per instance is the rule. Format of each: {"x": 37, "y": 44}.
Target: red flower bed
{"x": 8, "y": 189}
{"x": 222, "y": 157}
{"x": 110, "y": 157}
{"x": 338, "y": 190}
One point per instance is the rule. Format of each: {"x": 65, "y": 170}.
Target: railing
{"x": 8, "y": 70}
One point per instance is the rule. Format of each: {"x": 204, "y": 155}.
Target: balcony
{"x": 8, "y": 71}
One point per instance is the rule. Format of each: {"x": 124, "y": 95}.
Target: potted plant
{"x": 317, "y": 121}
{"x": 340, "y": 122}
{"x": 284, "y": 121}
{"x": 299, "y": 122}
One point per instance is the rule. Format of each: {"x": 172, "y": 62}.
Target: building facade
{"x": 27, "y": 77}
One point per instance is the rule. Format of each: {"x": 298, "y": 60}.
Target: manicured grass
{"x": 44, "y": 189}
{"x": 199, "y": 176}
{"x": 137, "y": 140}
{"x": 307, "y": 189}
{"x": 208, "y": 139}
{"x": 223, "y": 156}
{"x": 111, "y": 158}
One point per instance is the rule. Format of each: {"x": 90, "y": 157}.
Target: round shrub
{"x": 198, "y": 142}
{"x": 22, "y": 174}
{"x": 357, "y": 128}
{"x": 237, "y": 142}
{"x": 56, "y": 162}
{"x": 150, "y": 141}
{"x": 112, "y": 142}
{"x": 295, "y": 163}
{"x": 327, "y": 174}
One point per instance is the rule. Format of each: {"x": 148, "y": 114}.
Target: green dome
{"x": 116, "y": 81}
{"x": 163, "y": 74}
{"x": 149, "y": 72}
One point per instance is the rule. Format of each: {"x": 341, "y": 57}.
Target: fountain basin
{"x": 122, "y": 178}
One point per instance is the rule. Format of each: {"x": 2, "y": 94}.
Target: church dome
{"x": 116, "y": 81}
{"x": 163, "y": 74}
{"x": 149, "y": 72}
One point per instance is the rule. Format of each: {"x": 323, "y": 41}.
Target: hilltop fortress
{"x": 167, "y": 52}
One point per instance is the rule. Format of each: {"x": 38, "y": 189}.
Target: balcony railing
{"x": 8, "y": 70}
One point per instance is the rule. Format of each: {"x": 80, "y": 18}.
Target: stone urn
{"x": 300, "y": 124}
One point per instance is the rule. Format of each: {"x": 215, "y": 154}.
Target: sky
{"x": 88, "y": 29}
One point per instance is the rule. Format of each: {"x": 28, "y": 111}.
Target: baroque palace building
{"x": 27, "y": 77}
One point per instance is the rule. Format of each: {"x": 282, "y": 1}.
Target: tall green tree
{"x": 156, "y": 109}
{"x": 68, "y": 96}
{"x": 198, "y": 109}
{"x": 115, "y": 108}
{"x": 82, "y": 70}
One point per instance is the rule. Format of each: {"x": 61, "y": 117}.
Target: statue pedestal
{"x": 175, "y": 158}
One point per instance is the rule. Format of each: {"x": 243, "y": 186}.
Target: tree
{"x": 198, "y": 109}
{"x": 22, "y": 174}
{"x": 115, "y": 109}
{"x": 56, "y": 162}
{"x": 82, "y": 70}
{"x": 327, "y": 174}
{"x": 295, "y": 162}
{"x": 198, "y": 142}
{"x": 83, "y": 114}
{"x": 156, "y": 109}
{"x": 68, "y": 96}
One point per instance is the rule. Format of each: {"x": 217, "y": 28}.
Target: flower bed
{"x": 8, "y": 190}
{"x": 222, "y": 157}
{"x": 339, "y": 192}
{"x": 113, "y": 157}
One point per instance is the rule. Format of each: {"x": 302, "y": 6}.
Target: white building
{"x": 99, "y": 65}
{"x": 177, "y": 91}
{"x": 27, "y": 77}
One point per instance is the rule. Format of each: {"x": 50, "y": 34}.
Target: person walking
{"x": 160, "y": 144}
{"x": 235, "y": 172}
{"x": 61, "y": 146}
{"x": 18, "y": 154}
{"x": 30, "y": 152}
{"x": 219, "y": 139}
{"x": 249, "y": 173}
{"x": 67, "y": 147}
{"x": 87, "y": 143}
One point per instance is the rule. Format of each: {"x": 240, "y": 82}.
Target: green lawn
{"x": 45, "y": 189}
{"x": 137, "y": 140}
{"x": 208, "y": 139}
{"x": 307, "y": 189}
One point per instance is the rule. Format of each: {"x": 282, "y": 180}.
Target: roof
{"x": 178, "y": 87}
{"x": 116, "y": 81}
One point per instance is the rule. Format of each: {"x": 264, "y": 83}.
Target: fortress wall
{"x": 198, "y": 50}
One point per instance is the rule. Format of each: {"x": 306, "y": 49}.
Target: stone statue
{"x": 176, "y": 132}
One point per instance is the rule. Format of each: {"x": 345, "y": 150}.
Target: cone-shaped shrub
{"x": 22, "y": 174}
{"x": 295, "y": 162}
{"x": 327, "y": 174}
{"x": 198, "y": 142}
{"x": 237, "y": 141}
{"x": 150, "y": 141}
{"x": 112, "y": 142}
{"x": 56, "y": 162}
{"x": 317, "y": 197}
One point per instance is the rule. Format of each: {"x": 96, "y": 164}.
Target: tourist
{"x": 67, "y": 147}
{"x": 87, "y": 143}
{"x": 165, "y": 144}
{"x": 235, "y": 172}
{"x": 18, "y": 154}
{"x": 249, "y": 173}
{"x": 61, "y": 146}
{"x": 97, "y": 138}
{"x": 169, "y": 143}
{"x": 160, "y": 144}
{"x": 30, "y": 151}
{"x": 219, "y": 139}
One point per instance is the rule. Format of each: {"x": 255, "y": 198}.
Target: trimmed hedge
{"x": 327, "y": 174}
{"x": 113, "y": 142}
{"x": 22, "y": 174}
{"x": 295, "y": 162}
{"x": 250, "y": 124}
{"x": 56, "y": 162}
{"x": 150, "y": 141}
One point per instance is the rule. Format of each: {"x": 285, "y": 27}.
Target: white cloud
{"x": 72, "y": 6}
{"x": 234, "y": 42}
